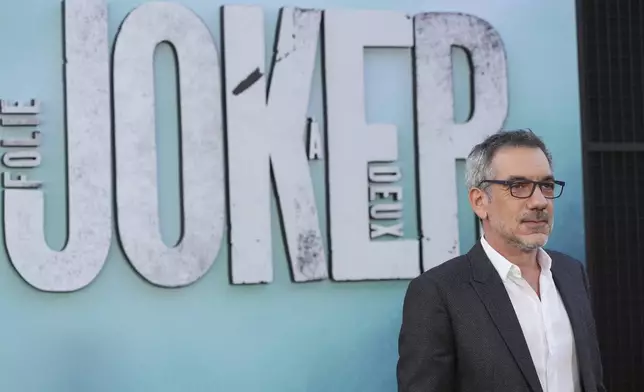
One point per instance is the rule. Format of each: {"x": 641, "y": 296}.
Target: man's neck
{"x": 524, "y": 259}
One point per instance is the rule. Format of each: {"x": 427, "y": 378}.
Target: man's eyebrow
{"x": 549, "y": 177}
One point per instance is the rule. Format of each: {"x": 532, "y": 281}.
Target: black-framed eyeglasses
{"x": 524, "y": 188}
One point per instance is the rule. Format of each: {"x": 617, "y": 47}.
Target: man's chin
{"x": 533, "y": 241}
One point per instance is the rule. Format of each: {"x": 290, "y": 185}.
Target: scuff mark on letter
{"x": 248, "y": 82}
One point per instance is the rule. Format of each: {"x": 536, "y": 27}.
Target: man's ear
{"x": 479, "y": 201}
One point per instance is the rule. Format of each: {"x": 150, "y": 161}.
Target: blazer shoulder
{"x": 564, "y": 259}
{"x": 564, "y": 262}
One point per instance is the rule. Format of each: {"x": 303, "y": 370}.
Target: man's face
{"x": 525, "y": 223}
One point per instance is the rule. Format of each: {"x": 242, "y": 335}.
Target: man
{"x": 508, "y": 316}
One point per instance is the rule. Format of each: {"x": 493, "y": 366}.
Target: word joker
{"x": 264, "y": 131}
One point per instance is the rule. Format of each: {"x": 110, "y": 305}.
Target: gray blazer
{"x": 460, "y": 333}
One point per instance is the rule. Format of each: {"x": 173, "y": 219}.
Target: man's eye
{"x": 549, "y": 185}
{"x": 519, "y": 185}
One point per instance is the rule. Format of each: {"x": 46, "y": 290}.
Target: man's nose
{"x": 538, "y": 200}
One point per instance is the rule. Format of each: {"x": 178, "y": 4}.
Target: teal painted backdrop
{"x": 123, "y": 334}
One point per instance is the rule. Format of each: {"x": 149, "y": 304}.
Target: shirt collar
{"x": 507, "y": 269}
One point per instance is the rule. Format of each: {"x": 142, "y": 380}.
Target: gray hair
{"x": 478, "y": 166}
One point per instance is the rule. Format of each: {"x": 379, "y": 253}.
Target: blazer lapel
{"x": 572, "y": 295}
{"x": 489, "y": 287}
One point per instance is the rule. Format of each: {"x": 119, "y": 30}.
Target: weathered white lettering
{"x": 15, "y": 107}
{"x": 353, "y": 144}
{"x": 89, "y": 166}
{"x": 379, "y": 191}
{"x": 386, "y": 211}
{"x": 20, "y": 181}
{"x": 440, "y": 140}
{"x": 315, "y": 141}
{"x": 14, "y": 113}
{"x": 378, "y": 230}
{"x": 202, "y": 171}
{"x": 18, "y": 120}
{"x": 388, "y": 198}
{"x": 33, "y": 141}
{"x": 269, "y": 131}
{"x": 384, "y": 173}
{"x": 24, "y": 158}
{"x": 265, "y": 130}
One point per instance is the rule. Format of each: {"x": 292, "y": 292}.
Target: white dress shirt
{"x": 544, "y": 322}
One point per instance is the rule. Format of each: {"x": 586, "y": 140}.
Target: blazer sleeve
{"x": 426, "y": 360}
{"x": 598, "y": 369}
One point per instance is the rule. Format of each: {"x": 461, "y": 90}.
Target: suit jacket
{"x": 460, "y": 332}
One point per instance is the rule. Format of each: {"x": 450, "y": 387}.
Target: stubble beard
{"x": 525, "y": 244}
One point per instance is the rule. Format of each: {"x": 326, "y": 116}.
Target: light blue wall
{"x": 123, "y": 334}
